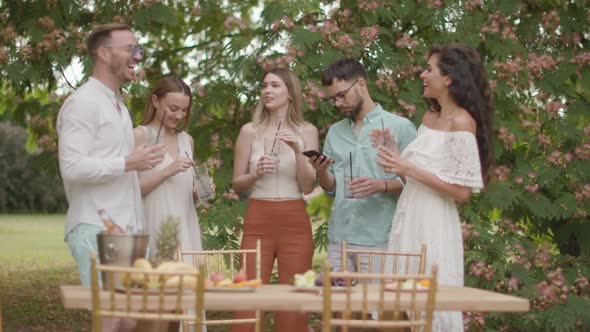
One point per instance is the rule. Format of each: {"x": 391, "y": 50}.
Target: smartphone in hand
{"x": 312, "y": 153}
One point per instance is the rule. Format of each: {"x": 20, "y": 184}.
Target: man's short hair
{"x": 343, "y": 70}
{"x": 100, "y": 36}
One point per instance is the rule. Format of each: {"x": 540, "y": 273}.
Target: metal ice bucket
{"x": 120, "y": 250}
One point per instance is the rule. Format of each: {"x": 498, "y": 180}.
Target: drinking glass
{"x": 348, "y": 176}
{"x": 388, "y": 141}
{"x": 202, "y": 182}
{"x": 272, "y": 148}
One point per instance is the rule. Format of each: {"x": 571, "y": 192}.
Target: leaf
{"x": 566, "y": 204}
{"x": 162, "y": 14}
{"x": 579, "y": 305}
{"x": 548, "y": 175}
{"x": 522, "y": 274}
{"x": 500, "y": 195}
{"x": 560, "y": 319}
{"x": 302, "y": 37}
{"x": 508, "y": 7}
{"x": 539, "y": 205}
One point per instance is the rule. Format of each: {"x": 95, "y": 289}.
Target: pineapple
{"x": 167, "y": 240}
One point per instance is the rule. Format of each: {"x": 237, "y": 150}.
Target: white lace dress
{"x": 425, "y": 216}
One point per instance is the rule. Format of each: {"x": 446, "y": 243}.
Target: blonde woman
{"x": 268, "y": 164}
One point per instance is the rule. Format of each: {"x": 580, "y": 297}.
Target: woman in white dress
{"x": 444, "y": 165}
{"x": 167, "y": 189}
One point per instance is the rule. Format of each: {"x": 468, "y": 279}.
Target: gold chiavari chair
{"x": 163, "y": 304}
{"x": 226, "y": 262}
{"x": 409, "y": 297}
{"x": 403, "y": 260}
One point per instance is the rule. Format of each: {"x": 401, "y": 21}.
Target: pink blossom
{"x": 276, "y": 25}
{"x": 214, "y": 140}
{"x": 231, "y": 22}
{"x": 545, "y": 289}
{"x": 507, "y": 137}
{"x": 406, "y": 42}
{"x": 544, "y": 140}
{"x": 46, "y": 22}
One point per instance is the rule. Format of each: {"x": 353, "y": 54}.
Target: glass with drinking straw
{"x": 201, "y": 181}
{"x": 387, "y": 140}
{"x": 272, "y": 149}
{"x": 349, "y": 175}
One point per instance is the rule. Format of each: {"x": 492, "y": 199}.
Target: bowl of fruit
{"x": 313, "y": 282}
{"x": 407, "y": 285}
{"x": 218, "y": 282}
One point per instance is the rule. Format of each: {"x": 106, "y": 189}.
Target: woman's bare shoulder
{"x": 463, "y": 121}
{"x": 308, "y": 128}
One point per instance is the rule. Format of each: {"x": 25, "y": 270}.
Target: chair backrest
{"x": 228, "y": 262}
{"x": 400, "y": 301}
{"x": 145, "y": 294}
{"x": 403, "y": 262}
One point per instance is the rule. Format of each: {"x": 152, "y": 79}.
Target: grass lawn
{"x": 35, "y": 261}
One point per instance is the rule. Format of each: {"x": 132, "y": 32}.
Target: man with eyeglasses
{"x": 97, "y": 156}
{"x": 362, "y": 219}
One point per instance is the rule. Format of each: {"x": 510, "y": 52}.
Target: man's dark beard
{"x": 355, "y": 110}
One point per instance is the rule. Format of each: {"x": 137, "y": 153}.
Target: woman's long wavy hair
{"x": 295, "y": 112}
{"x": 471, "y": 90}
{"x": 166, "y": 85}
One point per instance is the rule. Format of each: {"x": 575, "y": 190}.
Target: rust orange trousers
{"x": 284, "y": 229}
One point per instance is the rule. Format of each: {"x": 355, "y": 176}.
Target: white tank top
{"x": 283, "y": 183}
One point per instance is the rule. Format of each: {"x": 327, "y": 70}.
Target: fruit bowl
{"x": 217, "y": 282}
{"x": 312, "y": 282}
{"x": 407, "y": 285}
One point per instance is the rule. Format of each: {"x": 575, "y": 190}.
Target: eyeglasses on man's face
{"x": 134, "y": 49}
{"x": 339, "y": 97}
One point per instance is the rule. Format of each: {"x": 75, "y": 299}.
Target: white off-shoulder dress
{"x": 426, "y": 216}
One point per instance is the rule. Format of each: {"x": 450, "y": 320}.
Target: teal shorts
{"x": 82, "y": 242}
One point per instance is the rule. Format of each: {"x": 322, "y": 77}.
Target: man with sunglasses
{"x": 364, "y": 222}
{"x": 97, "y": 156}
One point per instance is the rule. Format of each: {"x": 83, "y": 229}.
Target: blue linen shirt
{"x": 366, "y": 221}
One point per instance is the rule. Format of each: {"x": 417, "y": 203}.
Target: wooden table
{"x": 283, "y": 298}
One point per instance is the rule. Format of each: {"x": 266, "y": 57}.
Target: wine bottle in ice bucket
{"x": 109, "y": 223}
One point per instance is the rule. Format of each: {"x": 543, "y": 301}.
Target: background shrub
{"x": 28, "y": 182}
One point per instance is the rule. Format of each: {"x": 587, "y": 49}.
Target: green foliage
{"x": 28, "y": 181}
{"x": 537, "y": 57}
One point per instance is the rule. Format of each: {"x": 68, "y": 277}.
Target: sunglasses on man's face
{"x": 134, "y": 49}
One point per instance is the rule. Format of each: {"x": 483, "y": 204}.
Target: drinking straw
{"x": 383, "y": 128}
{"x": 275, "y": 140}
{"x": 160, "y": 129}
{"x": 194, "y": 167}
{"x": 350, "y": 160}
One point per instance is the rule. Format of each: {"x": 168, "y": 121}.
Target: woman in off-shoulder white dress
{"x": 443, "y": 166}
